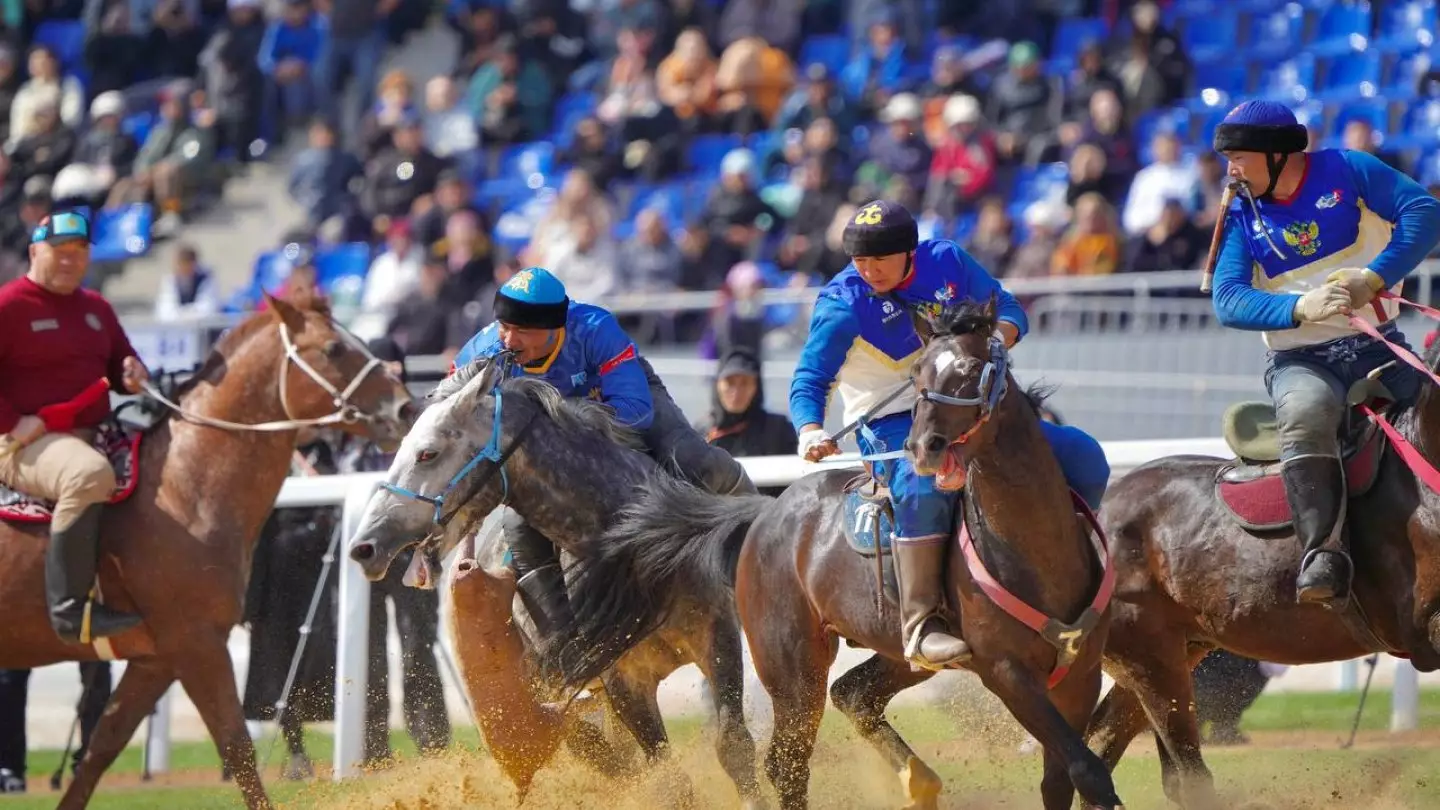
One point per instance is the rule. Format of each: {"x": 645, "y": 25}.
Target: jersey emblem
{"x": 93, "y": 321}
{"x": 1303, "y": 237}
{"x": 1329, "y": 200}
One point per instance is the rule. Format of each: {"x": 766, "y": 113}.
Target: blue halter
{"x": 988, "y": 394}
{"x": 490, "y": 452}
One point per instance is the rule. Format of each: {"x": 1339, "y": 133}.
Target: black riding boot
{"x": 1315, "y": 487}
{"x": 70, "y": 564}
{"x": 541, "y": 581}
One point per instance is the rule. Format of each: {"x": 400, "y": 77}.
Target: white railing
{"x": 353, "y": 493}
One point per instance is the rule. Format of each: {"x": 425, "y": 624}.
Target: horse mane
{"x": 575, "y": 414}
{"x": 965, "y": 318}
{"x": 458, "y": 379}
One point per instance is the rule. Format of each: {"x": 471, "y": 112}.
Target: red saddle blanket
{"x": 1255, "y": 494}
{"x": 119, "y": 445}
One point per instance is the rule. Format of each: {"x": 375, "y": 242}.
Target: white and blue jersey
{"x": 863, "y": 344}
{"x": 593, "y": 357}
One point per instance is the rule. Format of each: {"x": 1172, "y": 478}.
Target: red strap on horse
{"x": 1413, "y": 458}
{"x": 1029, "y": 616}
{"x": 62, "y": 415}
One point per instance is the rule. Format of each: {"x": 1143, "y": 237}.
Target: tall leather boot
{"x": 70, "y": 564}
{"x": 920, "y": 569}
{"x": 1315, "y": 489}
{"x": 541, "y": 581}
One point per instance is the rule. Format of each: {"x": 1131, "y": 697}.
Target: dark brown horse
{"x": 1191, "y": 579}
{"x": 800, "y": 587}
{"x": 178, "y": 551}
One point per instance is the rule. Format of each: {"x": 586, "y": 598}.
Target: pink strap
{"x": 1412, "y": 457}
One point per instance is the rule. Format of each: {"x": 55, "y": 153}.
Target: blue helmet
{"x": 532, "y": 299}
{"x": 880, "y": 228}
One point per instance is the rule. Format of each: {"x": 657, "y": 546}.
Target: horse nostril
{"x": 934, "y": 443}
{"x": 363, "y": 552}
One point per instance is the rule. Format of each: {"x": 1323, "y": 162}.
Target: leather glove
{"x": 1361, "y": 282}
{"x": 1321, "y": 303}
{"x": 817, "y": 444}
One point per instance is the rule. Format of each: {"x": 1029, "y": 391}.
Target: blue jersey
{"x": 593, "y": 358}
{"x": 863, "y": 343}
{"x": 1350, "y": 211}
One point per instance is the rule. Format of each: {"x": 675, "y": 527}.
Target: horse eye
{"x": 334, "y": 349}
{"x": 425, "y": 455}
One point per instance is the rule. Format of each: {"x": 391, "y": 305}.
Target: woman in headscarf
{"x": 739, "y": 423}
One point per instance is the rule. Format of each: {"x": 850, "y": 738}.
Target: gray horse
{"x": 567, "y": 467}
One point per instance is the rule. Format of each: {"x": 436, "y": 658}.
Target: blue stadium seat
{"x": 501, "y": 193}
{"x": 1375, "y": 111}
{"x": 1230, "y": 77}
{"x": 1194, "y": 9}
{"x": 1421, "y": 128}
{"x": 1427, "y": 170}
{"x": 1275, "y": 34}
{"x": 350, "y": 260}
{"x": 1341, "y": 28}
{"x": 271, "y": 270}
{"x": 1037, "y": 183}
{"x": 1356, "y": 75}
{"x": 669, "y": 199}
{"x": 528, "y": 162}
{"x": 1071, "y": 34}
{"x": 1290, "y": 81}
{"x": 66, "y": 38}
{"x": 138, "y": 126}
{"x": 569, "y": 111}
{"x": 1259, "y": 6}
{"x": 1403, "y": 83}
{"x": 1408, "y": 25}
{"x": 1174, "y": 121}
{"x": 831, "y": 51}
{"x": 1214, "y": 37}
{"x": 706, "y": 152}
{"x": 122, "y": 233}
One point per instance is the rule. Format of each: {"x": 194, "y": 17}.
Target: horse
{"x": 1207, "y": 559}
{"x": 177, "y": 550}
{"x": 566, "y": 466}
{"x": 791, "y": 564}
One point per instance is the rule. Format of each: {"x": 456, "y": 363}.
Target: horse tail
{"x": 674, "y": 541}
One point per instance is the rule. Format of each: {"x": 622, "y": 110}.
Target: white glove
{"x": 1321, "y": 303}
{"x": 810, "y": 439}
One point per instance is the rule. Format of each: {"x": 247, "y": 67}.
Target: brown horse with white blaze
{"x": 177, "y": 551}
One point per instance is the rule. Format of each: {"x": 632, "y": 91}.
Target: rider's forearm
{"x": 1238, "y": 305}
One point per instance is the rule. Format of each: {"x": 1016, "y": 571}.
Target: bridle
{"x": 345, "y": 412}
{"x": 491, "y": 452}
{"x": 988, "y": 393}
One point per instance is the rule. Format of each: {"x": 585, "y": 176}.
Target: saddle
{"x": 117, "y": 442}
{"x": 1249, "y": 486}
{"x": 869, "y": 529}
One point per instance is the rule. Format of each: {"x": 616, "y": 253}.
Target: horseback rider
{"x": 862, "y": 344}
{"x": 1320, "y": 236}
{"x": 582, "y": 350}
{"x": 56, "y": 340}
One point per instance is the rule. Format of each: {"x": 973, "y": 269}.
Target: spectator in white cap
{"x": 105, "y": 153}
{"x": 963, "y": 169}
{"x": 901, "y": 149}
{"x": 1045, "y": 221}
{"x": 735, "y": 214}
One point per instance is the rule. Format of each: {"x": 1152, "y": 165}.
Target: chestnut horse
{"x": 1191, "y": 579}
{"x": 178, "y": 550}
{"x": 800, "y": 587}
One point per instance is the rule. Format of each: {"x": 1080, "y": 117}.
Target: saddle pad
{"x": 122, "y": 447}
{"x": 868, "y": 524}
{"x": 1255, "y": 495}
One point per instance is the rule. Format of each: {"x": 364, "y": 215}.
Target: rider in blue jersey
{"x": 581, "y": 350}
{"x": 1326, "y": 233}
{"x": 862, "y": 344}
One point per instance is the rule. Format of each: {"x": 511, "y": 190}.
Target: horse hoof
{"x": 921, "y": 785}
{"x": 299, "y": 769}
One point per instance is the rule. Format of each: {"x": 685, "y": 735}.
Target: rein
{"x": 345, "y": 412}
{"x": 1412, "y": 457}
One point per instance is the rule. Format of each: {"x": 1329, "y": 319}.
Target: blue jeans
{"x": 1308, "y": 387}
{"x": 357, "y": 58}
{"x": 923, "y": 511}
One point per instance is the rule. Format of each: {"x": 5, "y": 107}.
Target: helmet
{"x": 880, "y": 228}
{"x": 532, "y": 299}
{"x": 1261, "y": 126}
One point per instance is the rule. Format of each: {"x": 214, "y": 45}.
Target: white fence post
{"x": 352, "y": 643}
{"x": 1405, "y": 698}
{"x": 157, "y": 742}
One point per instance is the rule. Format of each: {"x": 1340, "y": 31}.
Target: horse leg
{"x": 208, "y": 676}
{"x": 724, "y": 668}
{"x": 1074, "y": 698}
{"x": 1167, "y": 691}
{"x": 793, "y": 664}
{"x": 1116, "y": 722}
{"x": 637, "y": 707}
{"x": 862, "y": 694}
{"x": 1027, "y": 699}
{"x": 144, "y": 682}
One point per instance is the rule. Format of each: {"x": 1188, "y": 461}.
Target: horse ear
{"x": 924, "y": 326}
{"x": 286, "y": 313}
{"x": 992, "y": 307}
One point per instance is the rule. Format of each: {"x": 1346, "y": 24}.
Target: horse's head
{"x": 962, "y": 376}
{"x": 325, "y": 371}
